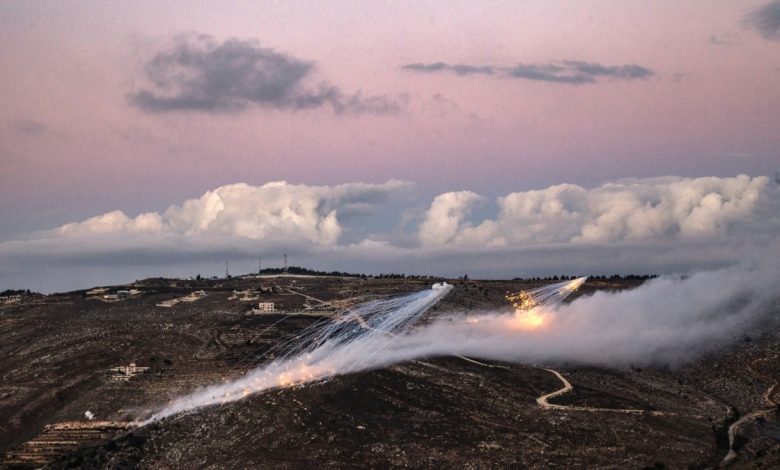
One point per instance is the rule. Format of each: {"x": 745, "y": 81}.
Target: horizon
{"x": 280, "y": 272}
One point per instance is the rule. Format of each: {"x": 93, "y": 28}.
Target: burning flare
{"x": 367, "y": 336}
{"x": 532, "y": 307}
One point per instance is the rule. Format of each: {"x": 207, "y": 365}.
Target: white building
{"x": 9, "y": 299}
{"x": 168, "y": 303}
{"x": 264, "y": 307}
{"x": 125, "y": 373}
{"x": 198, "y": 294}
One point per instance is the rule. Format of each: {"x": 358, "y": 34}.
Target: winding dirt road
{"x": 543, "y": 401}
{"x": 768, "y": 398}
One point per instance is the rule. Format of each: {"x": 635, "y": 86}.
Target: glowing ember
{"x": 532, "y": 307}
{"x": 522, "y": 300}
{"x": 544, "y": 296}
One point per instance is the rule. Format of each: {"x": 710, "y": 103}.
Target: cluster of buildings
{"x": 10, "y": 299}
{"x": 252, "y": 294}
{"x": 246, "y": 295}
{"x": 192, "y": 297}
{"x": 104, "y": 294}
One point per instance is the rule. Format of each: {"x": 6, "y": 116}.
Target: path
{"x": 543, "y": 401}
{"x": 768, "y": 398}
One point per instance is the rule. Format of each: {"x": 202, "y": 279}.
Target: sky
{"x": 415, "y": 137}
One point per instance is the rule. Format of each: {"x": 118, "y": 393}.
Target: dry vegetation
{"x": 56, "y": 352}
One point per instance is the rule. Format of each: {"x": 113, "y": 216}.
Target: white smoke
{"x": 356, "y": 340}
{"x": 665, "y": 322}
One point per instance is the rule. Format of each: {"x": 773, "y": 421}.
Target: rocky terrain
{"x": 57, "y": 352}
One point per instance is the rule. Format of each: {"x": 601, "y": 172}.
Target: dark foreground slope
{"x": 442, "y": 412}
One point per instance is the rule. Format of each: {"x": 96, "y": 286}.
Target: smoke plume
{"x": 666, "y": 322}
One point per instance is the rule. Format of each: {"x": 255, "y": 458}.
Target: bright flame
{"x": 532, "y": 307}
{"x": 529, "y": 320}
{"x": 522, "y": 300}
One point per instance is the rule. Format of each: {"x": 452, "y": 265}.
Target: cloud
{"x": 647, "y": 226}
{"x": 577, "y": 73}
{"x": 199, "y": 74}
{"x": 460, "y": 69}
{"x": 295, "y": 214}
{"x": 444, "y": 220}
{"x": 766, "y": 20}
{"x": 629, "y": 211}
{"x": 568, "y": 72}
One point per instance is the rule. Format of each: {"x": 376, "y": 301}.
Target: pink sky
{"x": 72, "y": 146}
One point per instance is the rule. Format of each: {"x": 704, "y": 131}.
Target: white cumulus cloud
{"x": 446, "y": 216}
{"x": 273, "y": 211}
{"x": 657, "y": 225}
{"x": 655, "y": 209}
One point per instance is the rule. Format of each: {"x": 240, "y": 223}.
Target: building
{"x": 10, "y": 299}
{"x": 264, "y": 307}
{"x": 198, "y": 294}
{"x": 246, "y": 295}
{"x": 126, "y": 293}
{"x": 125, "y": 373}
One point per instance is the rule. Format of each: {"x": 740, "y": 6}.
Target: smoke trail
{"x": 667, "y": 321}
{"x": 357, "y": 340}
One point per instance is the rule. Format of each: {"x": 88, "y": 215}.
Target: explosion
{"x": 532, "y": 307}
